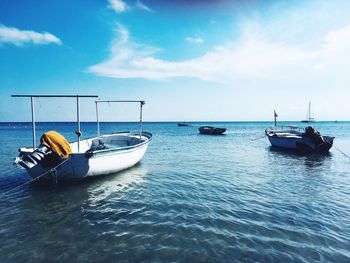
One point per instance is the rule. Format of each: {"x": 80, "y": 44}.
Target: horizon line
{"x": 335, "y": 121}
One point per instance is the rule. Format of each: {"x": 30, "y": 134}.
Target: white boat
{"x": 300, "y": 139}
{"x": 308, "y": 115}
{"x": 100, "y": 155}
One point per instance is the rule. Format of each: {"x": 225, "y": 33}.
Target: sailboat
{"x": 308, "y": 115}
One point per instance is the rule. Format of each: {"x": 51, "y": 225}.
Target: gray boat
{"x": 303, "y": 140}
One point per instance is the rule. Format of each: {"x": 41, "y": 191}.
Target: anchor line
{"x": 343, "y": 153}
{"x": 258, "y": 138}
{"x": 52, "y": 171}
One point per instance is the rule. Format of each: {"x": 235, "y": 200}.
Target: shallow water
{"x": 193, "y": 198}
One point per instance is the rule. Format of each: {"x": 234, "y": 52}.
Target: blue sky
{"x": 190, "y": 60}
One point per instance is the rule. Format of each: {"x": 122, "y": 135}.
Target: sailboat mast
{"x": 309, "y": 110}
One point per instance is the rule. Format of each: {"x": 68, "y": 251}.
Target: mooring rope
{"x": 258, "y": 138}
{"x": 343, "y": 153}
{"x": 52, "y": 170}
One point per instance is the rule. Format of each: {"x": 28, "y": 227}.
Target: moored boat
{"x": 211, "y": 130}
{"x": 184, "y": 124}
{"x": 100, "y": 155}
{"x": 300, "y": 139}
{"x": 97, "y": 156}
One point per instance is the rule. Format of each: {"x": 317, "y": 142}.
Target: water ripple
{"x": 192, "y": 199}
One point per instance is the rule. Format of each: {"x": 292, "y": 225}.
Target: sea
{"x": 192, "y": 198}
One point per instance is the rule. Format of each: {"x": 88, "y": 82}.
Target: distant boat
{"x": 300, "y": 139}
{"x": 183, "y": 124}
{"x": 211, "y": 130}
{"x": 308, "y": 115}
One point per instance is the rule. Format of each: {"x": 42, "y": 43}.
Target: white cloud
{"x": 194, "y": 40}
{"x": 118, "y": 5}
{"x": 254, "y": 55}
{"x": 18, "y": 37}
{"x": 142, "y": 6}
{"x": 337, "y": 41}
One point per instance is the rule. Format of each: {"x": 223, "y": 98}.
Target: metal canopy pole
{"x": 33, "y": 122}
{"x": 309, "y": 111}
{"x": 141, "y": 105}
{"x": 78, "y": 132}
{"x": 97, "y": 120}
{"x": 55, "y": 96}
{"x": 142, "y": 102}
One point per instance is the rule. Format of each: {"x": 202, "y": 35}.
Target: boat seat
{"x": 133, "y": 141}
{"x": 98, "y": 144}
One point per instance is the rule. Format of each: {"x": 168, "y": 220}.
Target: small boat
{"x": 308, "y": 115}
{"x": 300, "y": 139}
{"x": 211, "y": 130}
{"x": 100, "y": 155}
{"x": 184, "y": 124}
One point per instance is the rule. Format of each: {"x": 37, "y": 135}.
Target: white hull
{"x": 88, "y": 163}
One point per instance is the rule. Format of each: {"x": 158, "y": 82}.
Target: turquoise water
{"x": 193, "y": 198}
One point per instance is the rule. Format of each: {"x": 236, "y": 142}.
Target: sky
{"x": 190, "y": 60}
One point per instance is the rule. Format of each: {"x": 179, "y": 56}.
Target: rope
{"x": 52, "y": 171}
{"x": 343, "y": 153}
{"x": 258, "y": 138}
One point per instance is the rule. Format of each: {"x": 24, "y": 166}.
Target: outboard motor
{"x": 29, "y": 159}
{"x": 53, "y": 146}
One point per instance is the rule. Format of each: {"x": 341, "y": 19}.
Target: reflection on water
{"x": 192, "y": 199}
{"x": 316, "y": 160}
{"x": 110, "y": 184}
{"x": 310, "y": 160}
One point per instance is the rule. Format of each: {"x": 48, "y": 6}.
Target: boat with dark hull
{"x": 184, "y": 124}
{"x": 211, "y": 130}
{"x": 305, "y": 140}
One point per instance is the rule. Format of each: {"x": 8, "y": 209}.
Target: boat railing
{"x": 144, "y": 136}
{"x": 136, "y": 134}
{"x": 286, "y": 128}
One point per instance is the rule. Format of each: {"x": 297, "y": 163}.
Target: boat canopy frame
{"x": 142, "y": 102}
{"x": 77, "y": 132}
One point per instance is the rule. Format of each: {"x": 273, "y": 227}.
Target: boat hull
{"x": 301, "y": 144}
{"x": 284, "y": 143}
{"x": 211, "y": 130}
{"x": 92, "y": 163}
